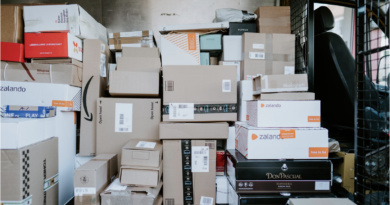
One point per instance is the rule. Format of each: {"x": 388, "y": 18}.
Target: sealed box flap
{"x": 283, "y": 83}
{"x": 142, "y": 52}
{"x": 138, "y": 64}
{"x": 194, "y": 130}
{"x": 146, "y": 153}
{"x": 150, "y": 145}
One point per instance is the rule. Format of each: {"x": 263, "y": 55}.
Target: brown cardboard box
{"x": 56, "y": 61}
{"x": 141, "y": 119}
{"x": 138, "y": 64}
{"x": 140, "y": 175}
{"x": 134, "y": 83}
{"x": 116, "y": 194}
{"x": 203, "y": 183}
{"x": 12, "y": 24}
{"x": 71, "y": 74}
{"x": 147, "y": 153}
{"x": 320, "y": 201}
{"x": 159, "y": 200}
{"x": 90, "y": 179}
{"x": 219, "y": 130}
{"x": 142, "y": 52}
{"x": 30, "y": 174}
{"x": 196, "y": 93}
{"x": 112, "y": 164}
{"x": 285, "y": 96}
{"x": 96, "y": 56}
{"x": 346, "y": 170}
{"x": 280, "y": 83}
{"x": 267, "y": 54}
{"x": 273, "y": 19}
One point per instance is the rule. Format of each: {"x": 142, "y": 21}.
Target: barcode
{"x": 142, "y": 144}
{"x": 210, "y": 145}
{"x": 205, "y": 160}
{"x": 121, "y": 119}
{"x": 169, "y": 85}
{"x": 183, "y": 106}
{"x": 259, "y": 55}
{"x": 169, "y": 202}
{"x": 123, "y": 129}
{"x": 200, "y": 152}
{"x": 227, "y": 85}
{"x": 207, "y": 201}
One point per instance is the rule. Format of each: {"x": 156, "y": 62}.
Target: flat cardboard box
{"x": 235, "y": 63}
{"x": 280, "y": 83}
{"x": 285, "y": 113}
{"x": 70, "y": 74}
{"x": 112, "y": 164}
{"x": 54, "y": 18}
{"x": 13, "y": 52}
{"x": 140, "y": 52}
{"x": 53, "y": 45}
{"x": 347, "y": 170}
{"x": 321, "y": 201}
{"x": 30, "y": 174}
{"x": 141, "y": 119}
{"x": 138, "y": 64}
{"x": 180, "y": 49}
{"x": 273, "y": 19}
{"x": 199, "y": 27}
{"x": 267, "y": 54}
{"x": 121, "y": 40}
{"x": 214, "y": 99}
{"x": 96, "y": 58}
{"x": 11, "y": 24}
{"x": 217, "y": 130}
{"x": 232, "y": 48}
{"x": 203, "y": 183}
{"x": 204, "y": 58}
{"x": 282, "y": 143}
{"x": 116, "y": 193}
{"x": 67, "y": 99}
{"x": 239, "y": 28}
{"x": 140, "y": 175}
{"x": 89, "y": 180}
{"x": 134, "y": 84}
{"x": 146, "y": 153}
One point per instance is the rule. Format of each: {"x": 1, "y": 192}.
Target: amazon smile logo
{"x": 90, "y": 118}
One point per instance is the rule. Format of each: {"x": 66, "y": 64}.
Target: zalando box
{"x": 285, "y": 143}
{"x": 264, "y": 113}
{"x": 180, "y": 49}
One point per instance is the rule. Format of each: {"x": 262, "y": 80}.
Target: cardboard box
{"x": 30, "y": 174}
{"x": 56, "y": 61}
{"x": 232, "y": 48}
{"x": 180, "y": 49}
{"x": 273, "y": 19}
{"x": 280, "y": 83}
{"x": 70, "y": 74}
{"x": 211, "y": 43}
{"x": 67, "y": 100}
{"x": 131, "y": 39}
{"x": 347, "y": 170}
{"x": 236, "y": 28}
{"x": 146, "y": 153}
{"x": 116, "y": 193}
{"x": 199, "y": 27}
{"x": 90, "y": 179}
{"x": 188, "y": 100}
{"x": 134, "y": 83}
{"x": 284, "y": 113}
{"x": 11, "y": 24}
{"x": 112, "y": 164}
{"x": 141, "y": 119}
{"x": 140, "y": 175}
{"x": 117, "y": 55}
{"x": 12, "y": 52}
{"x": 235, "y": 64}
{"x": 204, "y": 58}
{"x": 140, "y": 52}
{"x": 321, "y": 201}
{"x": 194, "y": 178}
{"x": 286, "y": 96}
{"x": 111, "y": 67}
{"x": 245, "y": 93}
{"x": 276, "y": 199}
{"x": 96, "y": 60}
{"x": 231, "y": 141}
{"x": 53, "y": 45}
{"x": 17, "y": 111}
{"x": 222, "y": 196}
{"x": 55, "y": 18}
{"x": 138, "y": 64}
{"x": 81, "y": 160}
{"x": 217, "y": 130}
{"x": 267, "y": 54}
{"x": 276, "y": 143}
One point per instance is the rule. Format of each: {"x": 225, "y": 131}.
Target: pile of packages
{"x": 215, "y": 115}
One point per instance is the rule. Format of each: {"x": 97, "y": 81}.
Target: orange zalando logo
{"x": 262, "y": 105}
{"x": 254, "y": 136}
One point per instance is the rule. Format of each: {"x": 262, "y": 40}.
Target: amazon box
{"x": 147, "y": 153}
{"x": 11, "y": 24}
{"x": 30, "y": 174}
{"x": 140, "y": 175}
{"x": 191, "y": 97}
{"x": 124, "y": 119}
{"x": 189, "y": 171}
{"x": 96, "y": 58}
{"x": 267, "y": 54}
{"x": 112, "y": 164}
{"x": 273, "y": 19}
{"x": 218, "y": 130}
{"x": 134, "y": 83}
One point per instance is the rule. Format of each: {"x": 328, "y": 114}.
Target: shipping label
{"x": 123, "y": 117}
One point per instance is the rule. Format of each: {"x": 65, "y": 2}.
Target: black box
{"x": 270, "y": 199}
{"x": 276, "y": 176}
{"x": 240, "y": 28}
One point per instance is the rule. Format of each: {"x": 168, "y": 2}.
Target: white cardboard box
{"x": 67, "y": 99}
{"x": 180, "y": 49}
{"x": 245, "y": 93}
{"x": 222, "y": 196}
{"x": 63, "y": 18}
{"x": 232, "y": 48}
{"x": 286, "y": 143}
{"x": 20, "y": 132}
{"x": 264, "y": 113}
{"x": 230, "y": 142}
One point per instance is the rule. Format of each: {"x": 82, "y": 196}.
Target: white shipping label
{"x": 180, "y": 111}
{"x": 116, "y": 186}
{"x": 144, "y": 144}
{"x": 123, "y": 117}
{"x": 322, "y": 186}
{"x": 206, "y": 200}
{"x": 289, "y": 70}
{"x": 226, "y": 86}
{"x": 26, "y": 201}
{"x": 256, "y": 55}
{"x": 248, "y": 77}
{"x": 102, "y": 48}
{"x": 79, "y": 191}
{"x": 200, "y": 159}
{"x": 258, "y": 46}
{"x": 103, "y": 65}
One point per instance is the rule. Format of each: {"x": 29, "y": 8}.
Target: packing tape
{"x": 143, "y": 34}
{"x": 268, "y": 54}
{"x": 118, "y": 41}
{"x": 27, "y": 200}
